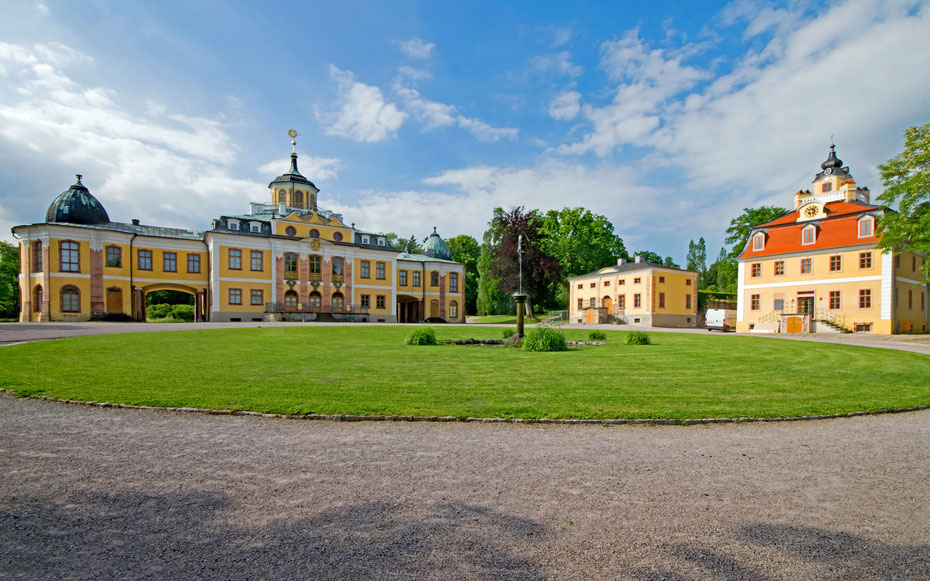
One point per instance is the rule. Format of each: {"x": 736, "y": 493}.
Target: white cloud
{"x": 416, "y": 48}
{"x": 560, "y": 63}
{"x": 561, "y": 36}
{"x": 161, "y": 167}
{"x": 565, "y": 106}
{"x": 648, "y": 79}
{"x": 435, "y": 115}
{"x": 363, "y": 115}
{"x": 486, "y": 132}
{"x": 463, "y": 200}
{"x": 413, "y": 73}
{"x": 432, "y": 113}
{"x": 42, "y": 8}
{"x": 316, "y": 169}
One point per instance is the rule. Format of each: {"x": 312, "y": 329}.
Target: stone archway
{"x": 199, "y": 295}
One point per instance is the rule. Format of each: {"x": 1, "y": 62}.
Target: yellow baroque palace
{"x": 818, "y": 269}
{"x": 286, "y": 260}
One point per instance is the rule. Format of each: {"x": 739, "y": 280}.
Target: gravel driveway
{"x": 97, "y": 493}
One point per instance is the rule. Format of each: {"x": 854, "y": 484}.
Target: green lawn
{"x": 504, "y": 319}
{"x": 368, "y": 370}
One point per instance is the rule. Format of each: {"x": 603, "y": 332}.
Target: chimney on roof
{"x": 135, "y": 221}
{"x": 621, "y": 261}
{"x": 639, "y": 258}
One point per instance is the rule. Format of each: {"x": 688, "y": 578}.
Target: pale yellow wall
{"x": 246, "y": 288}
{"x": 373, "y": 279}
{"x": 246, "y": 263}
{"x": 614, "y": 285}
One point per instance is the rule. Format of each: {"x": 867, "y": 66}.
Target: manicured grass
{"x": 504, "y": 319}
{"x": 369, "y": 370}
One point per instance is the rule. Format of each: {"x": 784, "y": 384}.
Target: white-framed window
{"x": 255, "y": 227}
{"x": 380, "y": 241}
{"x": 866, "y": 226}
{"x": 758, "y": 241}
{"x": 233, "y": 224}
{"x": 808, "y": 235}
{"x": 365, "y": 240}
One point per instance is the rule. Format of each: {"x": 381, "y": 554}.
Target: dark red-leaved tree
{"x": 540, "y": 270}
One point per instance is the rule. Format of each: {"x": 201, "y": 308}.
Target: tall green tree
{"x": 466, "y": 250}
{"x": 580, "y": 240}
{"x": 408, "y": 245}
{"x": 697, "y": 256}
{"x": 907, "y": 183}
{"x": 9, "y": 280}
{"x": 655, "y": 258}
{"x": 724, "y": 272}
{"x": 738, "y": 232}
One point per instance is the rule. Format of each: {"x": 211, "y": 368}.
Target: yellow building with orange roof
{"x": 818, "y": 269}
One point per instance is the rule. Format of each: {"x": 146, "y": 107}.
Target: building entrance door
{"x": 806, "y": 303}
{"x": 114, "y": 300}
{"x": 794, "y": 324}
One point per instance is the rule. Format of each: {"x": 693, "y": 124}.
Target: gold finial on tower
{"x": 293, "y": 133}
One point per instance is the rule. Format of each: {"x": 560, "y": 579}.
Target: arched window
{"x": 311, "y": 200}
{"x": 808, "y": 235}
{"x": 453, "y": 310}
{"x": 70, "y": 257}
{"x": 866, "y": 226}
{"x": 758, "y": 241}
{"x": 338, "y": 301}
{"x": 37, "y": 298}
{"x": 70, "y": 299}
{"x": 290, "y": 299}
{"x": 434, "y": 278}
{"x": 316, "y": 300}
{"x": 37, "y": 265}
{"x": 298, "y": 198}
{"x": 337, "y": 266}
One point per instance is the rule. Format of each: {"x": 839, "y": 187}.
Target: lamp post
{"x": 518, "y": 296}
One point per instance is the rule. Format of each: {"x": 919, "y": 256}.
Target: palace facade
{"x": 635, "y": 293}
{"x": 285, "y": 260}
{"x": 818, "y": 269}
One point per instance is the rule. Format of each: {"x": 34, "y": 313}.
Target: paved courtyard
{"x": 97, "y": 493}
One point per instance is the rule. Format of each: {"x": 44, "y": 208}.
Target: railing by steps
{"x": 832, "y": 319}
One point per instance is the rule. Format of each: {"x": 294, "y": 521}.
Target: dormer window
{"x": 380, "y": 241}
{"x": 808, "y": 235}
{"x": 255, "y": 227}
{"x": 758, "y": 241}
{"x": 233, "y": 224}
{"x": 365, "y": 240}
{"x": 866, "y": 226}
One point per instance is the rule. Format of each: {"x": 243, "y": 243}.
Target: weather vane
{"x": 293, "y": 133}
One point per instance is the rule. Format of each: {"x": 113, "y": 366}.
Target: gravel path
{"x": 96, "y": 493}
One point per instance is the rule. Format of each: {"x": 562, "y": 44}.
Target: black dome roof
{"x": 77, "y": 206}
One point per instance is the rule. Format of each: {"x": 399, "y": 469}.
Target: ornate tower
{"x": 291, "y": 188}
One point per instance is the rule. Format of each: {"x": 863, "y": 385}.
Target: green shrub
{"x": 638, "y": 338}
{"x": 183, "y": 312}
{"x": 544, "y": 339}
{"x": 507, "y": 333}
{"x": 424, "y": 335}
{"x": 597, "y": 336}
{"x": 158, "y": 311}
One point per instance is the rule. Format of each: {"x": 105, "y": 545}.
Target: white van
{"x": 720, "y": 319}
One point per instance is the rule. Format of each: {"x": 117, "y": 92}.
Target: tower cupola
{"x": 832, "y": 167}
{"x": 291, "y": 188}
{"x": 436, "y": 247}
{"x": 77, "y": 206}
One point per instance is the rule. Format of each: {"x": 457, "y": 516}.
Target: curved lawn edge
{"x": 491, "y": 420}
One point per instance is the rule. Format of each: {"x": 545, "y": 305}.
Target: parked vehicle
{"x": 720, "y": 319}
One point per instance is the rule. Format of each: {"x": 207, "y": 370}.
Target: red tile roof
{"x": 838, "y": 229}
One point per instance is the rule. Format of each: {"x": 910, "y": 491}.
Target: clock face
{"x": 828, "y": 171}
{"x": 811, "y": 211}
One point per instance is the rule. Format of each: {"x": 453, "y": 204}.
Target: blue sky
{"x": 667, "y": 117}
